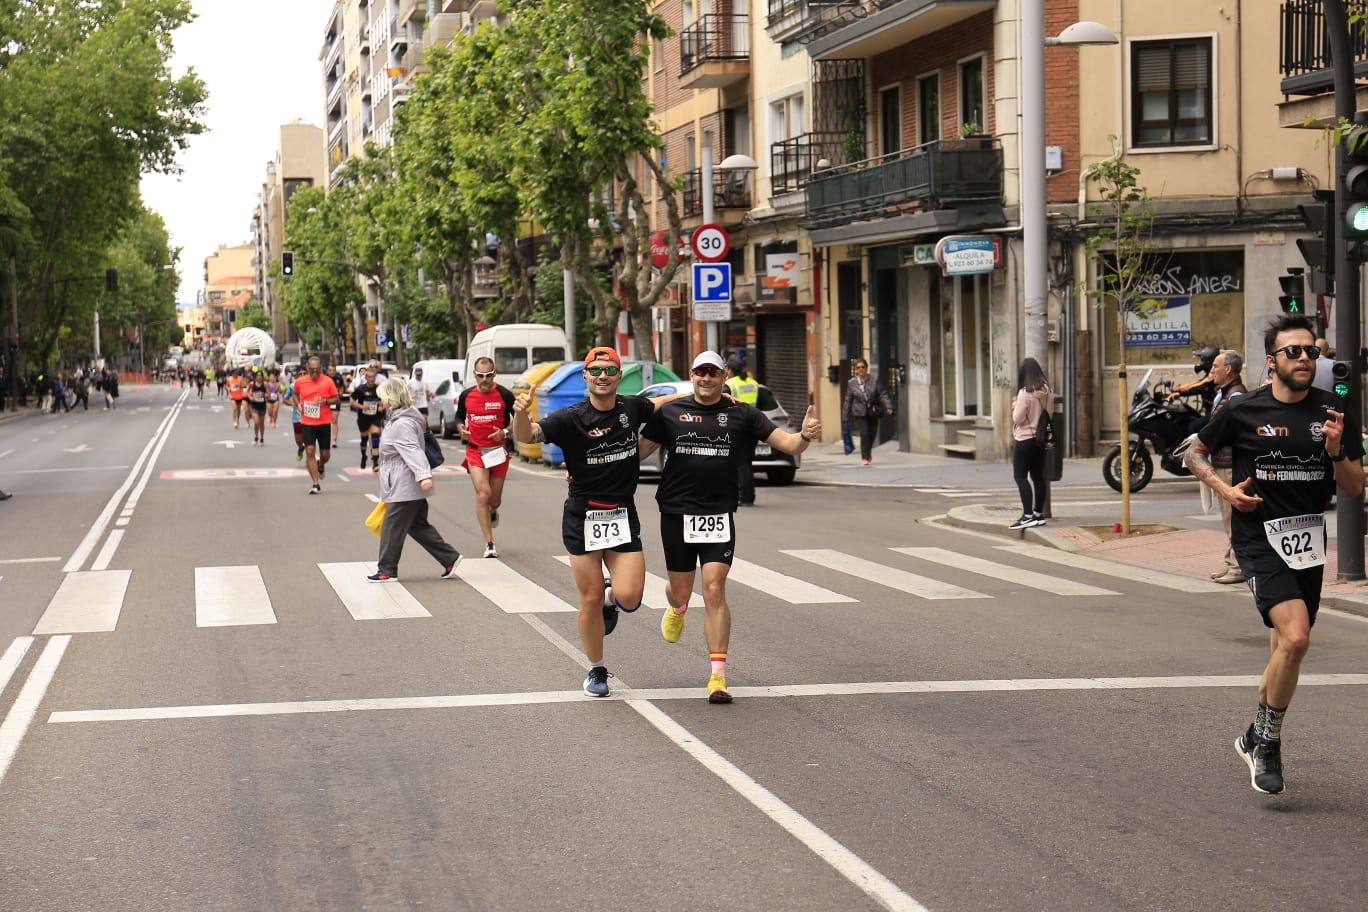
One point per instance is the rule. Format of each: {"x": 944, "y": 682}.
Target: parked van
{"x": 439, "y": 369}
{"x": 514, "y": 348}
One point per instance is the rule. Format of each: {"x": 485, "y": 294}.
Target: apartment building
{"x": 228, "y": 283}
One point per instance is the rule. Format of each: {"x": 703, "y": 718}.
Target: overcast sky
{"x": 259, "y": 59}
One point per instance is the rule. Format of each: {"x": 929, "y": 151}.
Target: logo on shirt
{"x": 1318, "y": 431}
{"x": 597, "y": 432}
{"x": 722, "y": 420}
{"x": 690, "y": 418}
{"x": 622, "y": 418}
{"x": 1268, "y": 430}
{"x": 493, "y": 406}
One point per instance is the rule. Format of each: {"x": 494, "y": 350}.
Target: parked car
{"x": 779, "y": 468}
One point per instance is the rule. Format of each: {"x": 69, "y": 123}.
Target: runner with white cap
{"x": 704, "y": 436}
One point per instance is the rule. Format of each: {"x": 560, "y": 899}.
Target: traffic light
{"x": 1319, "y": 251}
{"x": 1354, "y": 183}
{"x": 1293, "y": 297}
{"x": 287, "y": 263}
{"x": 111, "y": 280}
{"x": 1341, "y": 371}
{"x": 389, "y": 339}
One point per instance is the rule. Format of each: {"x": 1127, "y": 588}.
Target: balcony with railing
{"x": 412, "y": 60}
{"x": 879, "y": 26}
{"x": 399, "y": 38}
{"x": 441, "y": 28}
{"x": 714, "y": 51}
{"x": 363, "y": 40}
{"x": 938, "y": 175}
{"x": 731, "y": 190}
{"x": 793, "y": 160}
{"x": 411, "y": 10}
{"x": 795, "y": 20}
{"x": 1304, "y": 49}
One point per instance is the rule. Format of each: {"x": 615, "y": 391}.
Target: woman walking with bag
{"x": 405, "y": 485}
{"x": 1030, "y": 430}
{"x": 867, "y": 401}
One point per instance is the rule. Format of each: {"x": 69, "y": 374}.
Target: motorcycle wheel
{"x": 1142, "y": 468}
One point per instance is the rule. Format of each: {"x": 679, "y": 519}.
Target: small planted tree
{"x": 1123, "y": 257}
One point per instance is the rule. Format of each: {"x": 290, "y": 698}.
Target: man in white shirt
{"x": 1325, "y": 367}
{"x": 419, "y": 391}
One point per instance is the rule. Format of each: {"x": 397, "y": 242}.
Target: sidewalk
{"x": 8, "y": 415}
{"x": 1194, "y": 553}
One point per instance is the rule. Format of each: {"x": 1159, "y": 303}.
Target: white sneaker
{"x": 490, "y": 550}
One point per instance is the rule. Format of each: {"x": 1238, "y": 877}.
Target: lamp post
{"x": 1034, "y": 222}
{"x": 705, "y": 179}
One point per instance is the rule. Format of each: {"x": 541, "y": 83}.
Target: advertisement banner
{"x": 1159, "y": 322}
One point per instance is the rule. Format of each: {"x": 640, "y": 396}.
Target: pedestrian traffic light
{"x": 1354, "y": 183}
{"x": 1341, "y": 372}
{"x": 287, "y": 263}
{"x": 1319, "y": 251}
{"x": 1293, "y": 297}
{"x": 389, "y": 339}
{"x": 111, "y": 280}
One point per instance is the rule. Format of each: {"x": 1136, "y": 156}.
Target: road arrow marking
{"x": 83, "y": 448}
{"x": 230, "y": 444}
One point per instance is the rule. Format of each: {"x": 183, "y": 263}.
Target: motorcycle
{"x": 1158, "y": 421}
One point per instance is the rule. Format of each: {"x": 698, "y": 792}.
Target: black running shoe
{"x": 1025, "y": 520}
{"x": 596, "y": 682}
{"x": 1264, "y": 759}
{"x": 363, "y": 460}
{"x": 610, "y": 611}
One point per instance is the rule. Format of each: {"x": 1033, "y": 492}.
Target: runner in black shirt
{"x": 600, "y": 527}
{"x": 370, "y": 417}
{"x": 705, "y": 437}
{"x": 1291, "y": 447}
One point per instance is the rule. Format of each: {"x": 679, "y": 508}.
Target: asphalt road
{"x": 954, "y": 727}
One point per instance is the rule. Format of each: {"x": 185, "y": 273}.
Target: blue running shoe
{"x": 596, "y": 682}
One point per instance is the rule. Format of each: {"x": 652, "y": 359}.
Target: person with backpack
{"x": 866, "y": 401}
{"x": 1030, "y": 431}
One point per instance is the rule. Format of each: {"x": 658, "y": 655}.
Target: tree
{"x": 253, "y": 315}
{"x": 322, "y": 294}
{"x": 1123, "y": 256}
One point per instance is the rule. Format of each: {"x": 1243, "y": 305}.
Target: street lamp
{"x": 735, "y": 162}
{"x": 1034, "y": 221}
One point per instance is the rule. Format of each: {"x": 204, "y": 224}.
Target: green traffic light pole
{"x": 356, "y": 269}
{"x": 1349, "y": 521}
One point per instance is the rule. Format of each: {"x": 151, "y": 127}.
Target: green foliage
{"x": 1121, "y": 250}
{"x": 254, "y": 315}
{"x": 320, "y": 296}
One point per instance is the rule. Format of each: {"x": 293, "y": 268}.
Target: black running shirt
{"x": 703, "y": 444}
{"x": 600, "y": 447}
{"x": 1280, "y": 446}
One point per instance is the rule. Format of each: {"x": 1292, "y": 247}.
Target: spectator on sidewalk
{"x": 1028, "y": 453}
{"x": 4, "y": 387}
{"x": 866, "y": 401}
{"x": 1225, "y": 373}
{"x": 1325, "y": 367}
{"x": 745, "y": 389}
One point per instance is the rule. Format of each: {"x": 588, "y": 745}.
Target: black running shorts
{"x": 370, "y": 424}
{"x": 572, "y": 524}
{"x": 319, "y": 435}
{"x": 684, "y": 557}
{"x": 1273, "y": 582}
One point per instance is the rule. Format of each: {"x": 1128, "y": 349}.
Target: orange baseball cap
{"x": 602, "y": 353}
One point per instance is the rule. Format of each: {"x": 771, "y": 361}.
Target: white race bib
{"x": 1298, "y": 540}
{"x": 606, "y": 529}
{"x": 312, "y": 410}
{"x": 700, "y": 530}
{"x": 369, "y": 408}
{"x": 493, "y": 456}
{"x": 763, "y": 449}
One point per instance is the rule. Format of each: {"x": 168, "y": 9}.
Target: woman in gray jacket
{"x": 868, "y": 401}
{"x": 405, "y": 485}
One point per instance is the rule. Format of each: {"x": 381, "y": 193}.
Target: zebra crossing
{"x": 238, "y": 596}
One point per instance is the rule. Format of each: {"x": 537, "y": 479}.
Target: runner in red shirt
{"x": 483, "y": 413}
{"x": 316, "y": 396}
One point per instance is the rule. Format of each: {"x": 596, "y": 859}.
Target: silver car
{"x": 779, "y": 468}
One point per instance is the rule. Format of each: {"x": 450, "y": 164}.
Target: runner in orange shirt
{"x": 316, "y": 397}
{"x": 237, "y": 391}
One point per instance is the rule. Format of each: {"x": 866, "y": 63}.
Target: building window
{"x": 658, "y": 52}
{"x": 786, "y": 118}
{"x": 1171, "y": 93}
{"x": 928, "y": 108}
{"x": 890, "y": 120}
{"x": 971, "y": 95}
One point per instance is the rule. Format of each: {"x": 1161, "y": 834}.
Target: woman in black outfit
{"x": 867, "y": 400}
{"x": 1028, "y": 454}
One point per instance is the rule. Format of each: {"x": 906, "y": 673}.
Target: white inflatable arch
{"x": 250, "y": 346}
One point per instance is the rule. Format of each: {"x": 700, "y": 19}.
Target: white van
{"x": 514, "y": 348}
{"x": 443, "y": 379}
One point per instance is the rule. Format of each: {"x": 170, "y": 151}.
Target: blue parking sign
{"x": 712, "y": 283}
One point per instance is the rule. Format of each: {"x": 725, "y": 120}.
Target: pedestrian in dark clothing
{"x": 1028, "y": 452}
{"x": 866, "y": 402}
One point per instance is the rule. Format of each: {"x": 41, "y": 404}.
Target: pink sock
{"x": 682, "y": 608}
{"x": 719, "y": 663}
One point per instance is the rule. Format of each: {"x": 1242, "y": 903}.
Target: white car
{"x": 779, "y": 468}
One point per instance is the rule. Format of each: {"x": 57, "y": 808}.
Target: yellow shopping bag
{"x": 376, "y": 519}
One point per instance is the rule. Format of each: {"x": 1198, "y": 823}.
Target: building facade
{"x": 228, "y": 281}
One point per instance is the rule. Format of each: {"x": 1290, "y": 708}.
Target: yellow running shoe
{"x": 671, "y": 625}
{"x": 717, "y": 689}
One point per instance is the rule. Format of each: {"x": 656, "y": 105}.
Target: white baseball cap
{"x": 710, "y": 358}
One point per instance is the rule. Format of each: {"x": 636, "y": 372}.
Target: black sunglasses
{"x": 1294, "y": 352}
{"x": 706, "y": 370}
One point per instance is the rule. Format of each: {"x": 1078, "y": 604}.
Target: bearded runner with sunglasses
{"x": 600, "y": 527}
{"x": 483, "y": 412}
{"x": 705, "y": 437}
{"x": 1292, "y": 447}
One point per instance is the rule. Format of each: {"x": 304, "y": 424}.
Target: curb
{"x": 974, "y": 518}
{"x": 15, "y": 416}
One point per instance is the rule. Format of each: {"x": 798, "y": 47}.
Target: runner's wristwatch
{"x": 1339, "y": 458}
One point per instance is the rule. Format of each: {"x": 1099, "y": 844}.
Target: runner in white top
{"x": 419, "y": 391}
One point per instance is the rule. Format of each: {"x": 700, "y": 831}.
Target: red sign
{"x": 711, "y": 243}
{"x": 660, "y": 249}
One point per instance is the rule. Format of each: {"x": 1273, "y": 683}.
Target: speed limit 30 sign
{"x": 711, "y": 243}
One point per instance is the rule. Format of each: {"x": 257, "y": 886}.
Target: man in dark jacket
{"x": 1225, "y": 374}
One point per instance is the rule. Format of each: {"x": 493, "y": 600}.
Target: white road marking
{"x": 111, "y": 468}
{"x": 1118, "y": 570}
{"x": 1008, "y": 574}
{"x": 86, "y": 602}
{"x": 107, "y": 552}
{"x": 9, "y": 662}
{"x": 343, "y": 476}
{"x": 83, "y": 448}
{"x": 92, "y": 536}
{"x": 372, "y": 498}
{"x": 6, "y": 453}
{"x": 788, "y": 588}
{"x": 653, "y": 594}
{"x": 29, "y": 560}
{"x": 25, "y": 706}
{"x": 773, "y": 691}
{"x": 367, "y": 601}
{"x": 509, "y": 590}
{"x": 883, "y": 575}
{"x": 231, "y": 597}
{"x": 849, "y": 865}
